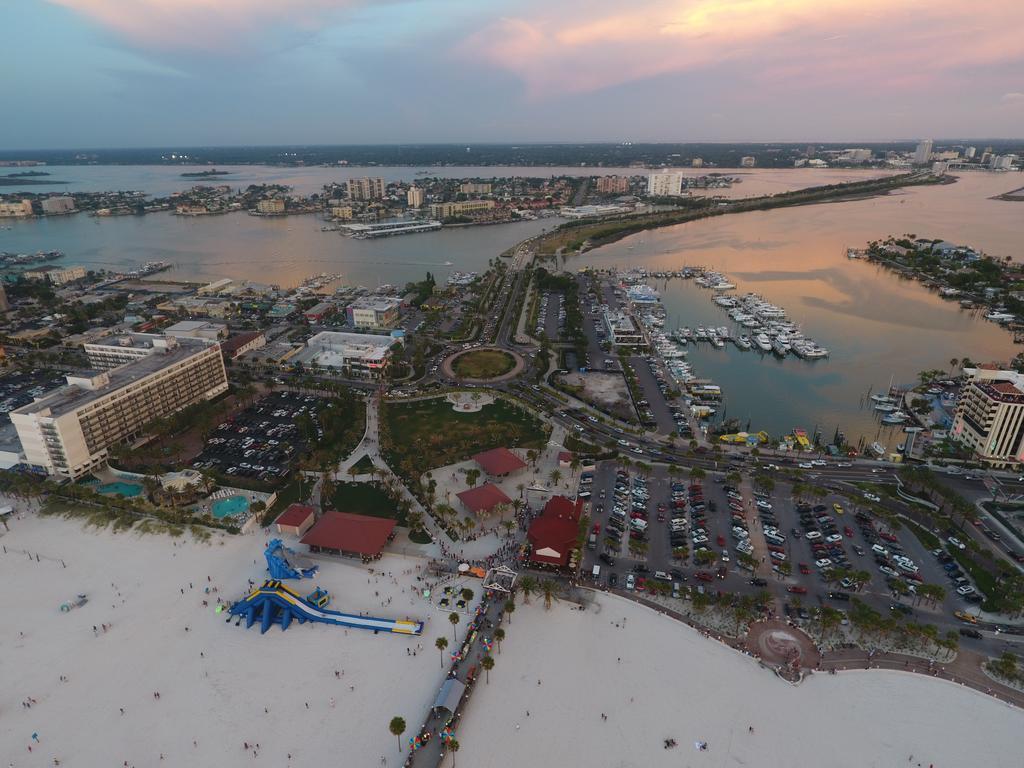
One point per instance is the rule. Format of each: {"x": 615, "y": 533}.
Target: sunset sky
{"x": 105, "y": 73}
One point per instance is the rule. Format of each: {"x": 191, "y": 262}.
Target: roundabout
{"x": 484, "y": 364}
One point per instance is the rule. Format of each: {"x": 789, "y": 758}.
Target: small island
{"x": 204, "y": 174}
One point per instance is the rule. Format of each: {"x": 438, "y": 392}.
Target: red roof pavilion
{"x": 483, "y": 498}
{"x": 345, "y": 533}
{"x": 499, "y": 461}
{"x": 553, "y": 535}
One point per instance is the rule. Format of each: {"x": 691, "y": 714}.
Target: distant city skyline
{"x": 251, "y": 72}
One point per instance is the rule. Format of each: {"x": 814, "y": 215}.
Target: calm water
{"x": 875, "y": 325}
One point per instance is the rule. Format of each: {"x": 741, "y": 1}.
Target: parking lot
{"x": 262, "y": 441}
{"x": 733, "y": 537}
{"x": 18, "y": 389}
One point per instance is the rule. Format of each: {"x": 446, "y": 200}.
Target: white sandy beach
{"x": 216, "y": 699}
{"x": 673, "y": 683}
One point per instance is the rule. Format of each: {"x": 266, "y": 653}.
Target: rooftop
{"x": 499, "y": 461}
{"x": 483, "y": 498}
{"x": 296, "y": 514}
{"x": 376, "y": 303}
{"x": 96, "y": 385}
{"x": 364, "y": 346}
{"x": 346, "y": 532}
{"x": 140, "y": 341}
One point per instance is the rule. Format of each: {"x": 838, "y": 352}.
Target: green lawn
{"x": 483, "y": 364}
{"x": 364, "y": 466}
{"x": 426, "y": 434}
{"x": 364, "y": 499}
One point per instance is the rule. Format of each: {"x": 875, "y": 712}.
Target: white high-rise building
{"x": 970, "y": 152}
{"x": 414, "y": 197}
{"x": 990, "y": 416}
{"x": 665, "y": 184}
{"x": 923, "y": 153}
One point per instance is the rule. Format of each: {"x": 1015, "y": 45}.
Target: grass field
{"x": 483, "y": 364}
{"x": 364, "y": 499}
{"x": 426, "y": 434}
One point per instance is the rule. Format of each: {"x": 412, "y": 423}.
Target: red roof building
{"x": 499, "y": 462}
{"x": 296, "y": 520}
{"x": 483, "y": 499}
{"x": 553, "y": 535}
{"x": 342, "y": 533}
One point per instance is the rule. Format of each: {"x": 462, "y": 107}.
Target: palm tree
{"x": 397, "y": 727}
{"x": 454, "y": 619}
{"x": 696, "y": 473}
{"x": 499, "y": 635}
{"x": 453, "y": 745}
{"x": 555, "y": 476}
{"x": 487, "y": 662}
{"x": 441, "y": 643}
{"x": 550, "y": 589}
{"x": 510, "y": 607}
{"x": 953, "y": 363}
{"x": 467, "y": 594}
{"x": 527, "y": 585}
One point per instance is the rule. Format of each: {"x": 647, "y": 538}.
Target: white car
{"x": 872, "y": 497}
{"x": 965, "y": 590}
{"x": 823, "y": 563}
{"x": 630, "y": 582}
{"x": 805, "y": 465}
{"x": 887, "y": 570}
{"x": 833, "y": 538}
{"x": 956, "y": 542}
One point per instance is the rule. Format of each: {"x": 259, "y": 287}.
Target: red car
{"x": 597, "y": 527}
{"x": 888, "y": 536}
{"x": 720, "y": 540}
{"x": 704, "y": 576}
{"x": 805, "y": 568}
{"x": 797, "y": 589}
{"x": 641, "y": 584}
{"x": 848, "y": 531}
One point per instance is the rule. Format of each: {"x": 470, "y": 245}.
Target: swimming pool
{"x": 128, "y": 490}
{"x": 230, "y": 507}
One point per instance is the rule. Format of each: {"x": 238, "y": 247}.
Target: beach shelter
{"x": 449, "y": 696}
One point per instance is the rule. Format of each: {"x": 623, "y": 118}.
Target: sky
{"x": 143, "y": 73}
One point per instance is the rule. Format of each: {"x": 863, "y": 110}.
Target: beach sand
{"x": 672, "y": 683}
{"x": 216, "y": 699}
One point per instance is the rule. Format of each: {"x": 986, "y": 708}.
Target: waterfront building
{"x": 475, "y": 188}
{"x": 665, "y": 184}
{"x": 990, "y": 416}
{"x": 697, "y": 162}
{"x": 923, "y": 153}
{"x": 373, "y": 312}
{"x": 57, "y": 205}
{"x": 342, "y": 212}
{"x": 414, "y": 197}
{"x": 56, "y": 275}
{"x": 623, "y": 330}
{"x": 1002, "y": 162}
{"x": 450, "y": 210}
{"x": 588, "y": 211}
{"x": 13, "y": 209}
{"x": 70, "y": 431}
{"x": 354, "y": 354}
{"x": 366, "y": 188}
{"x": 272, "y": 207}
{"x": 970, "y": 152}
{"x": 318, "y": 312}
{"x": 613, "y": 185}
{"x": 748, "y": 161}
{"x": 390, "y": 228}
{"x": 125, "y": 348}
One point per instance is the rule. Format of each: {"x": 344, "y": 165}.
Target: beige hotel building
{"x": 69, "y": 431}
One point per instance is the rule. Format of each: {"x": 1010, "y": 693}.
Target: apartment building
{"x": 465, "y": 208}
{"x": 53, "y": 206}
{"x": 373, "y": 312}
{"x": 366, "y": 189}
{"x": 475, "y": 188}
{"x": 613, "y": 185}
{"x": 272, "y": 207}
{"x": 990, "y": 416}
{"x": 414, "y": 197}
{"x": 126, "y": 348}
{"x": 15, "y": 209}
{"x": 56, "y": 275}
{"x": 69, "y": 432}
{"x": 748, "y": 161}
{"x": 665, "y": 184}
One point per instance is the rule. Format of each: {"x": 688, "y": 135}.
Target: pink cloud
{"x": 203, "y": 24}
{"x": 584, "y": 46}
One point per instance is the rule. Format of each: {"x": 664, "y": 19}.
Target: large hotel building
{"x": 990, "y": 416}
{"x": 69, "y": 431}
